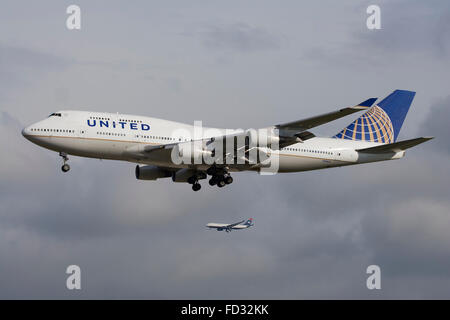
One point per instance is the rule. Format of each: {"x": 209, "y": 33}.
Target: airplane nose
{"x": 26, "y": 132}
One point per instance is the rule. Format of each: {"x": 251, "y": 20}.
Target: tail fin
{"x": 382, "y": 123}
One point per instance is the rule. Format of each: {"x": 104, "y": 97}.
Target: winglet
{"x": 367, "y": 103}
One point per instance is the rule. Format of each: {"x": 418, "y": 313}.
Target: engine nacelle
{"x": 151, "y": 173}
{"x": 266, "y": 137}
{"x": 273, "y": 140}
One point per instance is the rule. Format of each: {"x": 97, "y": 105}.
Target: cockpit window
{"x": 55, "y": 115}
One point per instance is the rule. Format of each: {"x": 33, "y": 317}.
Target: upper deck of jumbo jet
{"x": 109, "y": 120}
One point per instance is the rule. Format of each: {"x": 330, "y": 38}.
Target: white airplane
{"x": 233, "y": 226}
{"x": 152, "y": 142}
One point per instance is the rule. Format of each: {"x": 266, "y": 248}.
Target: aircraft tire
{"x": 212, "y": 181}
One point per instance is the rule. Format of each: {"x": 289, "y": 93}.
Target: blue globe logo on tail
{"x": 382, "y": 122}
{"x": 375, "y": 126}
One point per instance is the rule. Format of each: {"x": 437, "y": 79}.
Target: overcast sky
{"x": 230, "y": 64}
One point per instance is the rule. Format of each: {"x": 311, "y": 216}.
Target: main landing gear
{"x": 220, "y": 180}
{"x": 220, "y": 177}
{"x": 65, "y": 167}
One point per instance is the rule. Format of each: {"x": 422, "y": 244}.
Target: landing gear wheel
{"x": 228, "y": 180}
{"x": 212, "y": 181}
{"x": 221, "y": 183}
{"x": 196, "y": 186}
{"x": 65, "y": 166}
{"x": 192, "y": 180}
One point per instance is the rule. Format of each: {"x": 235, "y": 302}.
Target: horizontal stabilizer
{"x": 396, "y": 146}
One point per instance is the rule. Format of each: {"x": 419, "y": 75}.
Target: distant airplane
{"x": 233, "y": 226}
{"x": 156, "y": 145}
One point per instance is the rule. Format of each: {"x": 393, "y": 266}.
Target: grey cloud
{"x": 408, "y": 28}
{"x": 415, "y": 236}
{"x": 239, "y": 37}
{"x": 23, "y": 58}
{"x": 436, "y": 124}
{"x": 324, "y": 246}
{"x": 21, "y": 67}
{"x": 6, "y": 120}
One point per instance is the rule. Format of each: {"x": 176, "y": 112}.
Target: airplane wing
{"x": 289, "y": 133}
{"x": 308, "y": 123}
{"x": 296, "y": 131}
{"x": 234, "y": 224}
{"x": 151, "y": 151}
{"x": 396, "y": 146}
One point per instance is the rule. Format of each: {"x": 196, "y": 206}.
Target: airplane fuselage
{"x": 112, "y": 136}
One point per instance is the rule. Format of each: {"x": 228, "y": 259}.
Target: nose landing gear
{"x": 65, "y": 167}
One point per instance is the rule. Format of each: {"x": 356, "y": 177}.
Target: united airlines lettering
{"x": 120, "y": 124}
